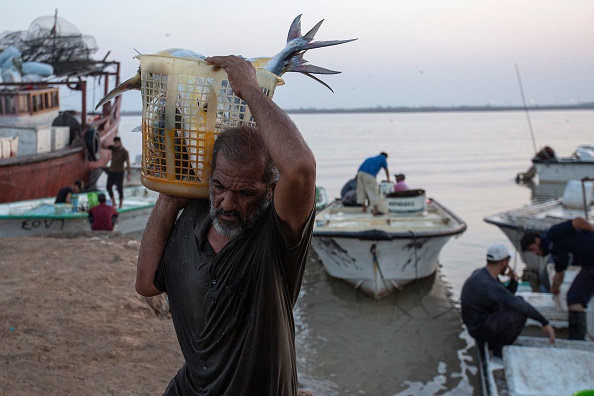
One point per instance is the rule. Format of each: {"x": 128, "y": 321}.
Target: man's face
{"x": 504, "y": 266}
{"x": 237, "y": 196}
{"x": 535, "y": 248}
{"x": 117, "y": 143}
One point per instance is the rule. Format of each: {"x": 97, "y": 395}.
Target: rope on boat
{"x": 373, "y": 251}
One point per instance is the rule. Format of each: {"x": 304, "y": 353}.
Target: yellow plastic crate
{"x": 186, "y": 104}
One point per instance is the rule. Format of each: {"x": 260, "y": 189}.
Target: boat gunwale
{"x": 377, "y": 235}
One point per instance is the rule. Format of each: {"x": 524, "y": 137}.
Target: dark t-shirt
{"x": 119, "y": 156}
{"x": 62, "y": 194}
{"x": 482, "y": 295}
{"x": 569, "y": 246}
{"x": 233, "y": 311}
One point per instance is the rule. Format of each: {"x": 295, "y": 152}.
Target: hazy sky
{"x": 408, "y": 53}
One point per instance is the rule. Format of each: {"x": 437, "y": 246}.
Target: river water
{"x": 412, "y": 343}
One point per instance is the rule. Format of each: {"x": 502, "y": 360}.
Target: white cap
{"x": 497, "y": 253}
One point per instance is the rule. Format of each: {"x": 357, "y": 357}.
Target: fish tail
{"x": 130, "y": 84}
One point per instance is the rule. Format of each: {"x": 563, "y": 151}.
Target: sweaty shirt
{"x": 233, "y": 311}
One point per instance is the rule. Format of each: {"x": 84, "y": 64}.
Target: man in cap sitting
{"x": 102, "y": 217}
{"x": 490, "y": 311}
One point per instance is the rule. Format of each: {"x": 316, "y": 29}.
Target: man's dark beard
{"x": 243, "y": 225}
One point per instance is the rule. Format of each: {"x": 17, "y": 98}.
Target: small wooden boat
{"x": 380, "y": 254}
{"x": 532, "y": 366}
{"x": 43, "y": 217}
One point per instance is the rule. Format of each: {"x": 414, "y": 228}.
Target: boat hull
{"x": 563, "y": 170}
{"x": 394, "y": 264}
{"x": 37, "y": 217}
{"x": 43, "y": 175}
{"x": 380, "y": 254}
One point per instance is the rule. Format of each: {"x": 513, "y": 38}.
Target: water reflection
{"x": 541, "y": 192}
{"x": 409, "y": 343}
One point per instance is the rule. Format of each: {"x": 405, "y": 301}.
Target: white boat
{"x": 532, "y": 366}
{"x": 539, "y": 218}
{"x": 43, "y": 217}
{"x": 576, "y": 201}
{"x": 551, "y": 168}
{"x": 380, "y": 254}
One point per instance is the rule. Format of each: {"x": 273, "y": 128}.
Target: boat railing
{"x": 33, "y": 102}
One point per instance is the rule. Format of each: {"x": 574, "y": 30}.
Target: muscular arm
{"x": 579, "y": 223}
{"x": 294, "y": 194}
{"x": 154, "y": 241}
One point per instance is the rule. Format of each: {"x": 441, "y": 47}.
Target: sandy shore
{"x": 72, "y": 324}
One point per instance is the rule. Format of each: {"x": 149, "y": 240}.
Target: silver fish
{"x": 289, "y": 59}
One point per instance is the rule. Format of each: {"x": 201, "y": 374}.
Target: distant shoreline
{"x": 428, "y": 109}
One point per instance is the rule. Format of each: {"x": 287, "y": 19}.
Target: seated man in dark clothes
{"x": 569, "y": 243}
{"x": 492, "y": 313}
{"x": 65, "y": 193}
{"x": 103, "y": 216}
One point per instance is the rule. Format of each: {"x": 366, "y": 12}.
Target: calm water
{"x": 412, "y": 343}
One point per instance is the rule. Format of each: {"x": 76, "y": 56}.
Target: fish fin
{"x": 318, "y": 80}
{"x": 320, "y": 44}
{"x": 306, "y": 68}
{"x": 295, "y": 29}
{"x": 132, "y": 83}
{"x": 312, "y": 32}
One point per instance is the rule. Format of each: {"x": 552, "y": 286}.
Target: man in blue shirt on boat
{"x": 569, "y": 243}
{"x": 490, "y": 311}
{"x": 367, "y": 183}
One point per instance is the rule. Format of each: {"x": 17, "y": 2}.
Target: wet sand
{"x": 71, "y": 323}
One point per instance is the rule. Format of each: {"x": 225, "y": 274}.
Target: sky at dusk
{"x": 408, "y": 53}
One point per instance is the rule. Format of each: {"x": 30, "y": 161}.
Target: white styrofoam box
{"x": 31, "y": 140}
{"x": 60, "y": 137}
{"x": 4, "y": 148}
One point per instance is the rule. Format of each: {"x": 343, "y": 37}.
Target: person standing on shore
{"x": 120, "y": 163}
{"x": 232, "y": 273}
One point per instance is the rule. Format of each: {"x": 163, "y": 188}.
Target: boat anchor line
{"x": 376, "y": 264}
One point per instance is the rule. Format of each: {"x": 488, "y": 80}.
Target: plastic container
{"x": 74, "y": 202}
{"x": 186, "y": 104}
{"x": 573, "y": 195}
{"x": 410, "y": 201}
{"x": 62, "y": 208}
{"x": 386, "y": 188}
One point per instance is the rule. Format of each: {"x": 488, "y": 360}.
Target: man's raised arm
{"x": 294, "y": 194}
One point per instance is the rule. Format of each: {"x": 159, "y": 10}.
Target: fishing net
{"x": 55, "y": 41}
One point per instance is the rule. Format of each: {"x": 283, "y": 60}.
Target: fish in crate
{"x": 187, "y": 102}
